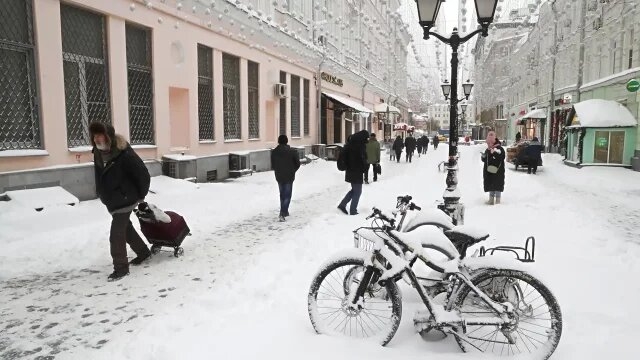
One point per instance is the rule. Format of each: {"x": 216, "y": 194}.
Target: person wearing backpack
{"x": 373, "y": 158}
{"x": 354, "y": 156}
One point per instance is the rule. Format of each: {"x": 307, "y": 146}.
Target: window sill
{"x": 207, "y": 142}
{"x": 233, "y": 141}
{"x": 80, "y": 149}
{"x": 144, "y": 146}
{"x": 254, "y": 139}
{"x": 24, "y": 152}
{"x": 296, "y": 138}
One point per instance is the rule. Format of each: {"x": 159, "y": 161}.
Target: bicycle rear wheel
{"x": 537, "y": 325}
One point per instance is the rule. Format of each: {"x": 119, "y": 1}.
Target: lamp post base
{"x": 454, "y": 209}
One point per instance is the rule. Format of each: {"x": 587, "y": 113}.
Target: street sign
{"x": 633, "y": 85}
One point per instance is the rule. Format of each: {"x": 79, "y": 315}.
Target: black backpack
{"x": 342, "y": 159}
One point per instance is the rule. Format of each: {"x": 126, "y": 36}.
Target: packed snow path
{"x": 240, "y": 290}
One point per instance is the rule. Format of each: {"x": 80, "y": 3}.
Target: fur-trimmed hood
{"x": 109, "y": 132}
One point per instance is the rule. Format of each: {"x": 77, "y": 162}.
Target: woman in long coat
{"x": 493, "y": 169}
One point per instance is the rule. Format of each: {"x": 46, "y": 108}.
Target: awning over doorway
{"x": 349, "y": 103}
{"x": 534, "y": 114}
{"x": 598, "y": 113}
{"x": 383, "y": 108}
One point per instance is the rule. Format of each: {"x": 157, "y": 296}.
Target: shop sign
{"x": 602, "y": 142}
{"x": 633, "y": 85}
{"x": 331, "y": 79}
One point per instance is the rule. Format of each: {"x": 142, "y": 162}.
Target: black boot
{"x": 117, "y": 275}
{"x": 140, "y": 259}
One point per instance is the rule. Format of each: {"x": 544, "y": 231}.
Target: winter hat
{"x": 99, "y": 128}
{"x": 283, "y": 140}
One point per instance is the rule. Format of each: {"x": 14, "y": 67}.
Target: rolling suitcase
{"x": 162, "y": 228}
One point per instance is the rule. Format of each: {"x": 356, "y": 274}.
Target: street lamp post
{"x": 428, "y": 12}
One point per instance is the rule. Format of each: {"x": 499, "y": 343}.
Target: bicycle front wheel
{"x": 377, "y": 316}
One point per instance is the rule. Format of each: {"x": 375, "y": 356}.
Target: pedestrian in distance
{"x": 533, "y": 153}
{"x": 419, "y": 144}
{"x": 436, "y": 141}
{"x": 373, "y": 158}
{"x": 284, "y": 162}
{"x": 355, "y": 159}
{"x": 410, "y": 145}
{"x": 425, "y": 145}
{"x": 493, "y": 169}
{"x": 398, "y": 145}
{"x": 122, "y": 182}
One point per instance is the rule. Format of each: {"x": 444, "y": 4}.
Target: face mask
{"x": 102, "y": 147}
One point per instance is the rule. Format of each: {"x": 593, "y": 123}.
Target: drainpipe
{"x": 583, "y": 16}
{"x": 319, "y": 97}
{"x": 553, "y": 69}
{"x": 364, "y": 86}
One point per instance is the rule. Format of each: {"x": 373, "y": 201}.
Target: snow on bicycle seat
{"x": 433, "y": 217}
{"x": 428, "y": 237}
{"x": 467, "y": 234}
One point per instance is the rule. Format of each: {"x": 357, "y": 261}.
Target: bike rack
{"x": 528, "y": 251}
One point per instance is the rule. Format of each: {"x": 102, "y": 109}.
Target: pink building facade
{"x": 191, "y": 77}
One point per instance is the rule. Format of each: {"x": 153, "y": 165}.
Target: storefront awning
{"x": 598, "y": 113}
{"x": 534, "y": 114}
{"x": 349, "y": 103}
{"x": 383, "y": 108}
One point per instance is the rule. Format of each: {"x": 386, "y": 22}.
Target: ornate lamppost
{"x": 428, "y": 12}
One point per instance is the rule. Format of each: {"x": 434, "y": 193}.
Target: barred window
{"x": 295, "y": 106}
{"x": 283, "y": 106}
{"x": 205, "y": 93}
{"x": 19, "y": 120}
{"x": 306, "y": 107}
{"x": 140, "y": 84}
{"x": 253, "y": 70}
{"x": 86, "y": 84}
{"x": 231, "y": 96}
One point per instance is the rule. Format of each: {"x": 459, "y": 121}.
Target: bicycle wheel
{"x": 537, "y": 324}
{"x": 380, "y": 312}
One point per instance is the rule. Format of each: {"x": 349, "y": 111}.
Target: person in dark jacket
{"x": 419, "y": 145}
{"x": 356, "y": 159}
{"x": 373, "y": 158}
{"x": 397, "y": 147}
{"x": 533, "y": 153}
{"x": 425, "y": 143}
{"x": 122, "y": 182}
{"x": 410, "y": 145}
{"x": 493, "y": 170}
{"x": 285, "y": 162}
{"x": 436, "y": 141}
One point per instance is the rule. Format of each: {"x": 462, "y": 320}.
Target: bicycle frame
{"x": 397, "y": 248}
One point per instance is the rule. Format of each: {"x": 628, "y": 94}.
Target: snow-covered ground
{"x": 240, "y": 290}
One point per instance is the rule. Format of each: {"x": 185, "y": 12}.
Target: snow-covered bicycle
{"x": 501, "y": 310}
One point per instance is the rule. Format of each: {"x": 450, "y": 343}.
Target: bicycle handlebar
{"x": 379, "y": 214}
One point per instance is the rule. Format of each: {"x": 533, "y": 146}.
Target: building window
{"x": 295, "y": 106}
{"x": 19, "y": 120}
{"x": 253, "y": 71}
{"x": 609, "y": 147}
{"x": 630, "y": 49}
{"x": 205, "y": 93}
{"x": 140, "y": 84}
{"x": 306, "y": 107}
{"x": 231, "y": 96}
{"x": 86, "y": 84}
{"x": 283, "y": 106}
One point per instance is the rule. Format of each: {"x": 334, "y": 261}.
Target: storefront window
{"x": 609, "y": 147}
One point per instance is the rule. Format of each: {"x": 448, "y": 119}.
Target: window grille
{"x": 283, "y": 107}
{"x": 253, "y": 70}
{"x": 140, "y": 84}
{"x": 205, "y": 93}
{"x": 306, "y": 106}
{"x": 85, "y": 67}
{"x": 231, "y": 96}
{"x": 295, "y": 106}
{"x": 19, "y": 118}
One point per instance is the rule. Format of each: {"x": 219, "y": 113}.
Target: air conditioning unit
{"x": 239, "y": 165}
{"x": 280, "y": 90}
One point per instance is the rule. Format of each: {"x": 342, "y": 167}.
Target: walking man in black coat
{"x": 285, "y": 162}
{"x": 356, "y": 160}
{"x": 410, "y": 145}
{"x": 122, "y": 182}
{"x": 398, "y": 145}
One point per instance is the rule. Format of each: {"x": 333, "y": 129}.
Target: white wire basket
{"x": 363, "y": 243}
